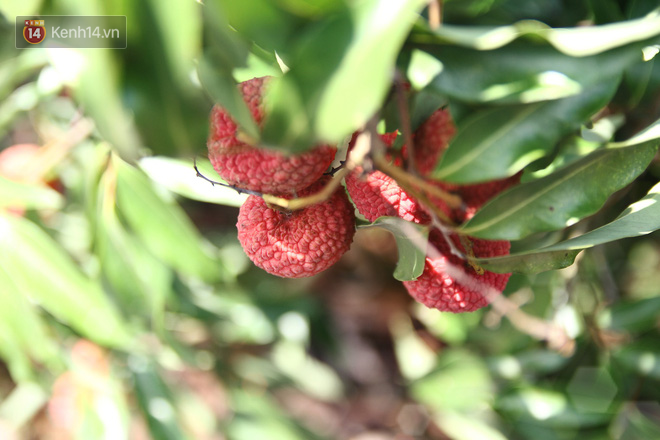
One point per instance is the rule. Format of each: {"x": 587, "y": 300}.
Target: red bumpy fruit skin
{"x": 432, "y": 139}
{"x": 441, "y": 288}
{"x": 376, "y": 195}
{"x": 476, "y": 195}
{"x": 256, "y": 169}
{"x": 300, "y": 243}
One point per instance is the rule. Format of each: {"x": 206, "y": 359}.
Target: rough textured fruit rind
{"x": 257, "y": 169}
{"x": 432, "y": 139}
{"x": 376, "y": 195}
{"x": 438, "y": 286}
{"x": 300, "y": 243}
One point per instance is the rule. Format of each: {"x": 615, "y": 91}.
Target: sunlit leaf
{"x": 499, "y": 141}
{"x": 179, "y": 176}
{"x": 220, "y": 85}
{"x": 547, "y": 407}
{"x": 578, "y": 41}
{"x": 640, "y": 218}
{"x": 155, "y": 400}
{"x": 163, "y": 226}
{"x": 28, "y": 195}
{"x": 60, "y": 288}
{"x": 24, "y": 323}
{"x": 359, "y": 47}
{"x": 460, "y": 382}
{"x": 523, "y": 73}
{"x": 563, "y": 197}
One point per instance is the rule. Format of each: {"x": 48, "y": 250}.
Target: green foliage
{"x": 411, "y": 258}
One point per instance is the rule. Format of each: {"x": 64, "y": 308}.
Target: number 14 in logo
{"x": 34, "y": 31}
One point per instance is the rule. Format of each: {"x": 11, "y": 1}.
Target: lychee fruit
{"x": 249, "y": 167}
{"x": 376, "y": 194}
{"x": 15, "y": 160}
{"x": 431, "y": 140}
{"x": 297, "y": 244}
{"x": 476, "y": 195}
{"x": 450, "y": 284}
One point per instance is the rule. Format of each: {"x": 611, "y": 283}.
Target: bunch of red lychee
{"x": 304, "y": 242}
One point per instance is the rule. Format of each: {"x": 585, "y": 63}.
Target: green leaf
{"x": 561, "y": 198}
{"x": 498, "y": 142}
{"x": 178, "y": 31}
{"x": 220, "y": 85}
{"x": 265, "y": 22}
{"x": 632, "y": 316}
{"x": 179, "y": 176}
{"x": 549, "y": 408}
{"x": 578, "y": 41}
{"x": 411, "y": 258}
{"x": 343, "y": 88}
{"x": 140, "y": 281}
{"x": 640, "y": 218}
{"x": 466, "y": 427}
{"x": 461, "y": 382}
{"x": 103, "y": 104}
{"x": 523, "y": 73}
{"x": 28, "y": 195}
{"x": 162, "y": 226}
{"x": 23, "y": 403}
{"x": 60, "y": 288}
{"x": 155, "y": 400}
{"x": 23, "y": 321}
{"x": 642, "y": 357}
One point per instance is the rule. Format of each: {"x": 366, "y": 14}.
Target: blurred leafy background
{"x": 128, "y": 311}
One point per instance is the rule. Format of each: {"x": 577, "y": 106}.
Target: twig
{"x": 334, "y": 170}
{"x": 54, "y": 151}
{"x": 435, "y": 14}
{"x": 354, "y": 159}
{"x": 555, "y": 336}
{"x": 226, "y": 185}
{"x": 404, "y": 117}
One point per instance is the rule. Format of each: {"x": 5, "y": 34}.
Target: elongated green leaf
{"x": 220, "y": 85}
{"x": 179, "y": 176}
{"x": 579, "y": 41}
{"x": 178, "y": 28}
{"x": 23, "y": 320}
{"x": 140, "y": 281}
{"x": 28, "y": 195}
{"x": 641, "y": 357}
{"x": 411, "y": 258}
{"x": 164, "y": 228}
{"x": 460, "y": 382}
{"x": 524, "y": 73}
{"x": 561, "y": 198}
{"x": 633, "y": 316}
{"x": 343, "y": 88}
{"x": 155, "y": 400}
{"x": 268, "y": 24}
{"x": 14, "y": 356}
{"x": 498, "y": 142}
{"x": 640, "y": 218}
{"x": 42, "y": 271}
{"x": 548, "y": 406}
